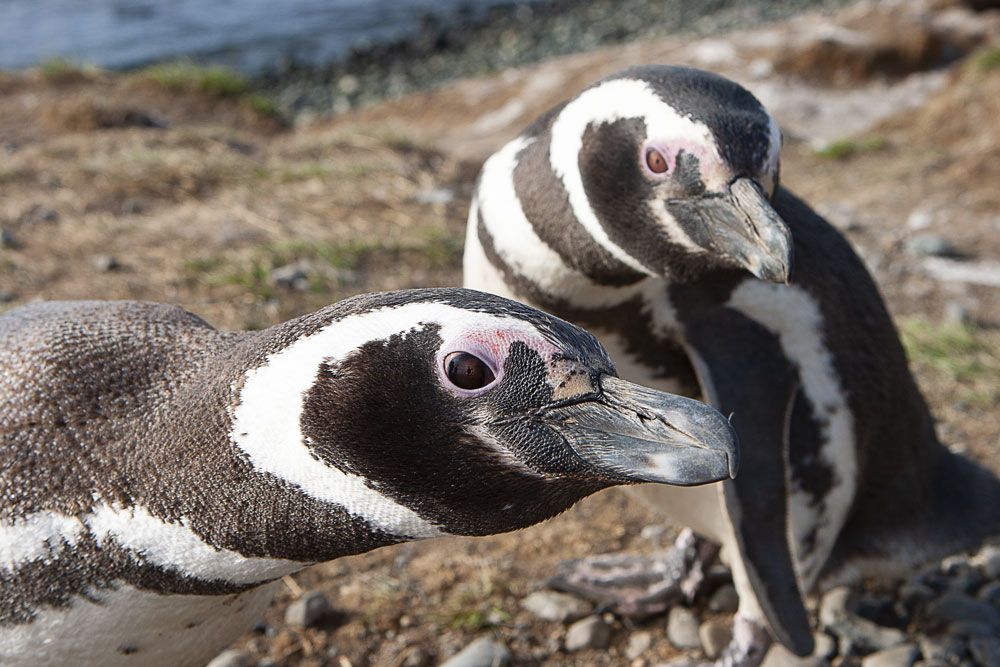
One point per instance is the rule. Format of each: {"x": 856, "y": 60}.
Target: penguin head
{"x": 477, "y": 414}
{"x": 671, "y": 170}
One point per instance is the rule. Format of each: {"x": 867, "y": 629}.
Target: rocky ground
{"x": 182, "y": 187}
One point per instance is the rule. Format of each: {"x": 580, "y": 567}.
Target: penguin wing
{"x": 744, "y": 373}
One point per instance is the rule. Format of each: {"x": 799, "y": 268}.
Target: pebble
{"x": 945, "y": 648}
{"x": 653, "y": 532}
{"x": 7, "y": 239}
{"x": 985, "y": 651}
{"x": 434, "y": 196}
{"x": 898, "y": 656}
{"x": 483, "y": 652}
{"x": 954, "y": 608}
{"x": 990, "y": 593}
{"x": 930, "y": 245}
{"x": 988, "y": 561}
{"x": 682, "y": 628}
{"x": 591, "y": 632}
{"x": 230, "y": 658}
{"x": 724, "y": 600}
{"x": 294, "y": 276}
{"x": 715, "y": 636}
{"x": 856, "y": 634}
{"x": 106, "y": 263}
{"x": 637, "y": 644}
{"x": 559, "y": 607}
{"x": 308, "y": 609}
{"x": 6, "y": 297}
{"x": 414, "y": 656}
{"x": 955, "y": 313}
{"x": 912, "y": 594}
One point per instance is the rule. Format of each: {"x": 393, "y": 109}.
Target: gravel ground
{"x": 509, "y": 36}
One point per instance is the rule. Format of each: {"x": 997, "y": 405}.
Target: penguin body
{"x": 157, "y": 475}
{"x": 648, "y": 210}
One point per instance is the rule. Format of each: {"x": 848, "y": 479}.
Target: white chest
{"x": 127, "y": 626}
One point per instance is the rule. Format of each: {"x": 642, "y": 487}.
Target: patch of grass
{"x": 62, "y": 70}
{"x": 987, "y": 60}
{"x": 474, "y": 610}
{"x": 14, "y": 175}
{"x": 845, "y": 148}
{"x": 209, "y": 79}
{"x": 326, "y": 265}
{"x": 441, "y": 247}
{"x": 953, "y": 349}
{"x": 263, "y": 104}
{"x": 303, "y": 171}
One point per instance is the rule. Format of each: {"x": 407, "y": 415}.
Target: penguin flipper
{"x": 755, "y": 383}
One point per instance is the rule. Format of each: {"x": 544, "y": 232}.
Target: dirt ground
{"x": 117, "y": 187}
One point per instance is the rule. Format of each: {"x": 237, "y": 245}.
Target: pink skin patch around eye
{"x": 492, "y": 347}
{"x": 707, "y": 162}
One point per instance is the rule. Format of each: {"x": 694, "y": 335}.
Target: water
{"x": 249, "y": 35}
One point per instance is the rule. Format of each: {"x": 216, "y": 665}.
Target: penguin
{"x": 158, "y": 476}
{"x": 648, "y": 210}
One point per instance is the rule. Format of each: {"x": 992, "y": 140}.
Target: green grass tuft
{"x": 954, "y": 349}
{"x": 988, "y": 59}
{"x": 209, "y": 79}
{"x": 845, "y": 148}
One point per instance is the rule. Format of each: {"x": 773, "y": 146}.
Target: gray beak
{"x": 741, "y": 226}
{"x": 637, "y": 434}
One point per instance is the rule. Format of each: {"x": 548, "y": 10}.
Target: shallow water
{"x": 250, "y": 35}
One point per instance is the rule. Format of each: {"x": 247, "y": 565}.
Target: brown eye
{"x": 466, "y": 371}
{"x": 655, "y": 161}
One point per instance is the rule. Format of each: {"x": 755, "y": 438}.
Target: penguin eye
{"x": 655, "y": 161}
{"x": 467, "y": 371}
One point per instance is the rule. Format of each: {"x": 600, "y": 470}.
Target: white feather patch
{"x": 515, "y": 240}
{"x": 610, "y": 101}
{"x": 154, "y": 540}
{"x": 794, "y": 316}
{"x": 266, "y": 423}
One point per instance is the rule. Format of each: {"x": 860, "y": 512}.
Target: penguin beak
{"x": 636, "y": 434}
{"x": 742, "y": 226}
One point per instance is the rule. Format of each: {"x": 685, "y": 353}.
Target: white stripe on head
{"x": 266, "y": 422}
{"x": 606, "y": 103}
{"x": 155, "y": 541}
{"x": 793, "y": 315}
{"x": 517, "y": 244}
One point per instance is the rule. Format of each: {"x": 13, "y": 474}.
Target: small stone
{"x": 559, "y": 607}
{"x": 637, "y": 644}
{"x": 682, "y": 628}
{"x": 591, "y": 632}
{"x": 413, "y": 656}
{"x": 106, "y": 263}
{"x": 898, "y": 656}
{"x": 6, "y": 297}
{"x": 230, "y": 658}
{"x": 953, "y": 565}
{"x": 988, "y": 561}
{"x": 7, "y": 239}
{"x": 971, "y": 628}
{"x": 930, "y": 245}
{"x": 953, "y": 608}
{"x": 434, "y": 196}
{"x": 912, "y": 594}
{"x": 990, "y": 593}
{"x": 294, "y": 276}
{"x": 724, "y": 600}
{"x": 985, "y": 651}
{"x": 920, "y": 218}
{"x": 715, "y": 637}
{"x": 855, "y": 634}
{"x": 779, "y": 656}
{"x": 308, "y": 609}
{"x": 483, "y": 652}
{"x": 946, "y": 648}
{"x": 654, "y": 532}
